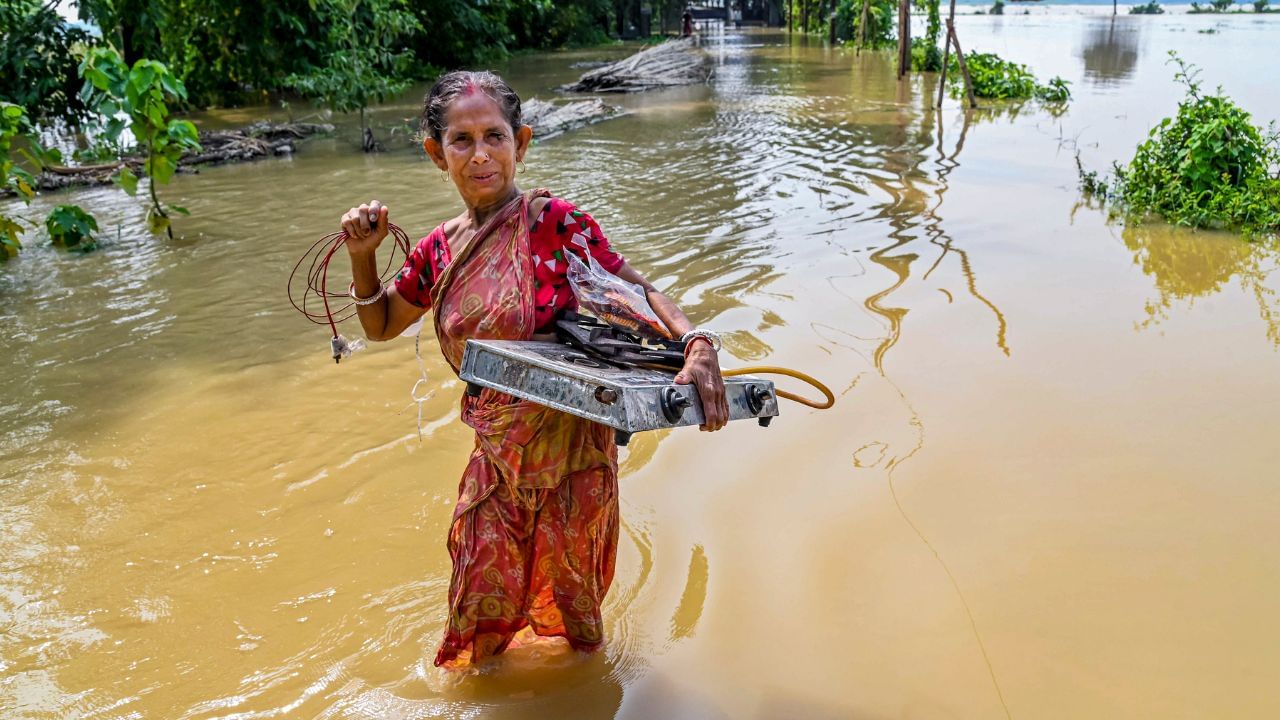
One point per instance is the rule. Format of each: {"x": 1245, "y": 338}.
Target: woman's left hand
{"x": 702, "y": 368}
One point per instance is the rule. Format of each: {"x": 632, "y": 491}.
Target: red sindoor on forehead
{"x": 471, "y": 88}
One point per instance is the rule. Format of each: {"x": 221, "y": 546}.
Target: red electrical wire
{"x": 317, "y": 278}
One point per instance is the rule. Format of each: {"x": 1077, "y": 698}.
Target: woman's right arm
{"x": 391, "y": 314}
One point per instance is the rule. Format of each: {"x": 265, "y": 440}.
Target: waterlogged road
{"x": 1047, "y": 490}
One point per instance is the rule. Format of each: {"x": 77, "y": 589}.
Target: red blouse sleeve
{"x": 416, "y": 278}
{"x": 562, "y": 226}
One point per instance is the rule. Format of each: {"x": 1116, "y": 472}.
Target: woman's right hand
{"x": 365, "y": 226}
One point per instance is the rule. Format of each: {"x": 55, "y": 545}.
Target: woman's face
{"x": 479, "y": 150}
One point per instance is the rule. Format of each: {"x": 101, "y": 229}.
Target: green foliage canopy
{"x": 38, "y": 61}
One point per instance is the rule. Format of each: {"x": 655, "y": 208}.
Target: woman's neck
{"x": 480, "y": 214}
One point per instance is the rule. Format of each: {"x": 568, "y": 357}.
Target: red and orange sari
{"x": 535, "y": 531}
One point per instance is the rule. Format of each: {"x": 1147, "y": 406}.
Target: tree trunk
{"x": 862, "y": 25}
{"x": 904, "y": 37}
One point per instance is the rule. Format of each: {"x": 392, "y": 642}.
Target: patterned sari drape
{"x": 534, "y": 534}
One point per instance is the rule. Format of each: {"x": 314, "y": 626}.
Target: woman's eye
{"x": 495, "y": 136}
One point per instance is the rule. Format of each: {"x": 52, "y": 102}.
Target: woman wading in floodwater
{"x": 535, "y": 530}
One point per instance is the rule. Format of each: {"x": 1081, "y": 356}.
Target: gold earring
{"x": 522, "y": 167}
{"x": 444, "y": 176}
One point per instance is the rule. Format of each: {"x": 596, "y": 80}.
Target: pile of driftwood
{"x": 548, "y": 119}
{"x": 675, "y": 62}
{"x": 259, "y": 140}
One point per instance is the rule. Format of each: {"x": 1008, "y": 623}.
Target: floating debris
{"x": 675, "y": 62}
{"x": 549, "y": 119}
{"x": 263, "y": 139}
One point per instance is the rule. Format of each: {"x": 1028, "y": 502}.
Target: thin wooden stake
{"x": 946, "y": 55}
{"x": 964, "y": 66}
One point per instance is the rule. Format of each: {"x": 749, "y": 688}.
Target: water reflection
{"x": 1188, "y": 265}
{"x": 1111, "y": 51}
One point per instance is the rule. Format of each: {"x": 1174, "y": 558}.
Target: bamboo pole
{"x": 964, "y": 66}
{"x": 946, "y": 54}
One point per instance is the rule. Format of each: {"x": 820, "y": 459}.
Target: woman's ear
{"x": 523, "y": 137}
{"x": 435, "y": 152}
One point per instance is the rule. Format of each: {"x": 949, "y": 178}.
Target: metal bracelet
{"x": 711, "y": 337}
{"x": 382, "y": 290}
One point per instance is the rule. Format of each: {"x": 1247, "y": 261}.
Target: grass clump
{"x": 1208, "y": 166}
{"x": 1000, "y": 79}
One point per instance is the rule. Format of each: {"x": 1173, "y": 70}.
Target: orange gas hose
{"x": 772, "y": 370}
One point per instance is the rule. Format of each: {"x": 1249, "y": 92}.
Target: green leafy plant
{"x": 1208, "y": 166}
{"x": 17, "y": 138}
{"x": 13, "y": 178}
{"x": 138, "y": 99}
{"x": 71, "y": 227}
{"x": 999, "y": 79}
{"x": 1150, "y": 8}
{"x": 997, "y": 8}
{"x": 1057, "y": 91}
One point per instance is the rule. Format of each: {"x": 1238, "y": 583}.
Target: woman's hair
{"x": 452, "y": 85}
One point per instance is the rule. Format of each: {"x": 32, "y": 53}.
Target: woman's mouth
{"x": 484, "y": 177}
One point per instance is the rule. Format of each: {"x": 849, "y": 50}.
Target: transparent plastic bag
{"x": 612, "y": 299}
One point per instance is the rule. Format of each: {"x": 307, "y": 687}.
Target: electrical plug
{"x": 341, "y": 347}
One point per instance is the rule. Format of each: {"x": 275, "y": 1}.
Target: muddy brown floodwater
{"x": 1049, "y": 487}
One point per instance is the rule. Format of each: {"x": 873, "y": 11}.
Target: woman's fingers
{"x": 715, "y": 409}
{"x": 364, "y": 220}
{"x": 367, "y": 220}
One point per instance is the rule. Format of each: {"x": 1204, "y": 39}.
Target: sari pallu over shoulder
{"x": 486, "y": 292}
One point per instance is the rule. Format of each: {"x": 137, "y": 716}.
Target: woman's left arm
{"x": 701, "y": 366}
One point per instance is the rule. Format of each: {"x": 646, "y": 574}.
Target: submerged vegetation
{"x": 1208, "y": 166}
{"x": 999, "y": 79}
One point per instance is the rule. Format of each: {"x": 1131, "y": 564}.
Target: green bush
{"x": 925, "y": 56}
{"x": 1000, "y": 79}
{"x": 1208, "y": 166}
{"x": 1151, "y": 8}
{"x": 997, "y": 8}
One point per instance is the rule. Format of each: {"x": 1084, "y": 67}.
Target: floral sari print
{"x": 534, "y": 534}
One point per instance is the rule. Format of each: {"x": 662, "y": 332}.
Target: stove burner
{"x": 616, "y": 347}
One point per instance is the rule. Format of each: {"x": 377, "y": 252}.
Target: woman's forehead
{"x": 473, "y": 109}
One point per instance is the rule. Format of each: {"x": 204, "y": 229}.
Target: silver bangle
{"x": 382, "y": 290}
{"x": 711, "y": 337}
